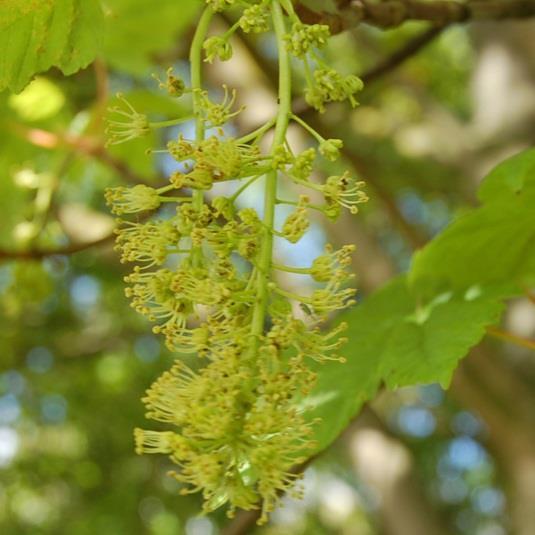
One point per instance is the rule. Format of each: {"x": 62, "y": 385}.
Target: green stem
{"x": 228, "y": 34}
{"x": 308, "y": 128}
{"x": 308, "y": 73}
{"x": 242, "y": 188}
{"x": 256, "y": 133}
{"x": 291, "y": 269}
{"x": 174, "y": 199}
{"x": 165, "y": 189}
{"x": 289, "y": 8}
{"x": 171, "y": 122}
{"x": 195, "y": 57}
{"x": 270, "y": 192}
{"x": 308, "y": 205}
{"x": 294, "y": 296}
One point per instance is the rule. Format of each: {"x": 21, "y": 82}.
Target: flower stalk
{"x": 270, "y": 190}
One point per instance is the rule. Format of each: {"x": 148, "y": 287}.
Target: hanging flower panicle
{"x": 206, "y": 278}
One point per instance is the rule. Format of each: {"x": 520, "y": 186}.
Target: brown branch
{"x": 393, "y": 13}
{"x": 38, "y": 254}
{"x": 243, "y": 523}
{"x": 510, "y": 337}
{"x": 73, "y": 248}
{"x": 405, "y": 52}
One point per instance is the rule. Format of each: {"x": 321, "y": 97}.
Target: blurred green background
{"x": 75, "y": 359}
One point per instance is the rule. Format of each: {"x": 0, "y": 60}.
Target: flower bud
{"x": 217, "y": 47}
{"x": 330, "y": 149}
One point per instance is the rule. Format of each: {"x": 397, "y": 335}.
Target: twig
{"x": 393, "y": 13}
{"x": 411, "y": 48}
{"x": 243, "y": 522}
{"x": 38, "y": 254}
{"x": 509, "y": 337}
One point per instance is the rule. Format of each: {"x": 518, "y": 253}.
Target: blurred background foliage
{"x": 75, "y": 359}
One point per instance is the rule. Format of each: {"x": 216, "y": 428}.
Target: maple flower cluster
{"x": 205, "y": 276}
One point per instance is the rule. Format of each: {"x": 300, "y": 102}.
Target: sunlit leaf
{"x": 493, "y": 245}
{"x": 511, "y": 178}
{"x": 396, "y": 341}
{"x": 35, "y": 36}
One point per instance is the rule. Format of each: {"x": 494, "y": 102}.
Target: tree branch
{"x": 393, "y": 13}
{"x": 405, "y": 52}
{"x": 243, "y": 523}
{"x": 510, "y": 337}
{"x": 38, "y": 254}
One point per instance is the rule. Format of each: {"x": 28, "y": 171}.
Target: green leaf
{"x": 514, "y": 176}
{"x": 493, "y": 245}
{"x": 396, "y": 341}
{"x": 417, "y": 328}
{"x": 137, "y": 29}
{"x": 489, "y": 246}
{"x": 35, "y": 36}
